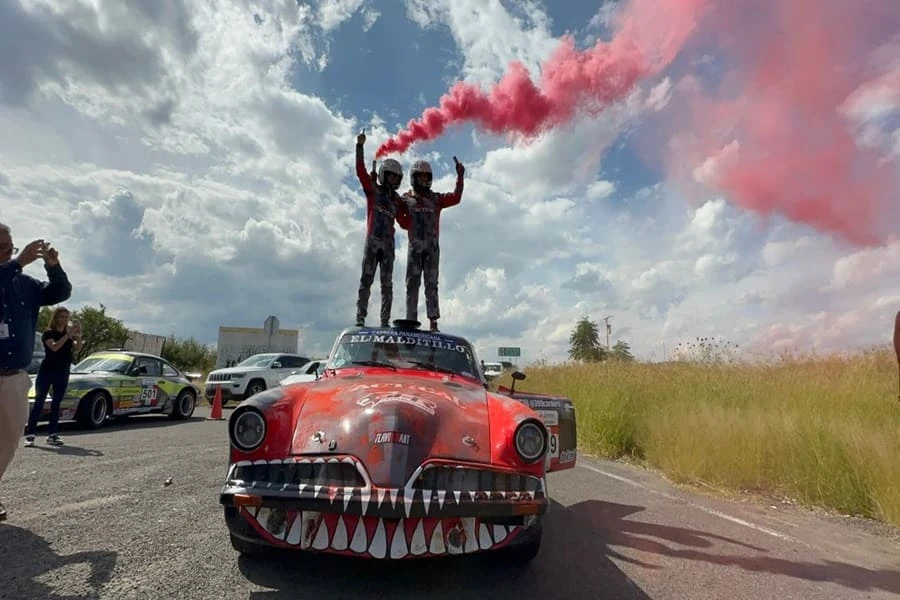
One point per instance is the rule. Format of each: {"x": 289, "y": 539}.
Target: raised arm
{"x": 364, "y": 178}
{"x": 453, "y": 198}
{"x": 58, "y": 288}
{"x": 28, "y": 255}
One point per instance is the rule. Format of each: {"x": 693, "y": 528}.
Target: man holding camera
{"x": 21, "y": 299}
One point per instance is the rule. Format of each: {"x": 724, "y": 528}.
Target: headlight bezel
{"x": 240, "y": 415}
{"x": 524, "y": 427}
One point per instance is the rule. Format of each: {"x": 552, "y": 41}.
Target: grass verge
{"x": 820, "y": 431}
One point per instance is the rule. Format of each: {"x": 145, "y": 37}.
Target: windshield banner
{"x": 406, "y": 339}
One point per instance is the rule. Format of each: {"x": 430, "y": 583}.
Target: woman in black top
{"x": 60, "y": 341}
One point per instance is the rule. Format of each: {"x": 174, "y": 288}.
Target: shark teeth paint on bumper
{"x": 379, "y": 538}
{"x": 392, "y": 503}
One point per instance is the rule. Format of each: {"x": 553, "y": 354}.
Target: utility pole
{"x": 608, "y": 329}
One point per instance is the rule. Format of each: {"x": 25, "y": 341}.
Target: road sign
{"x": 271, "y": 325}
{"x": 506, "y": 351}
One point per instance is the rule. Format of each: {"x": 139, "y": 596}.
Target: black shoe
{"x": 434, "y": 326}
{"x": 360, "y": 322}
{"x": 2, "y": 513}
{"x": 385, "y": 324}
{"x": 54, "y": 440}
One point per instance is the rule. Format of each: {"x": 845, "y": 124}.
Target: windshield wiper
{"x": 432, "y": 366}
{"x": 375, "y": 363}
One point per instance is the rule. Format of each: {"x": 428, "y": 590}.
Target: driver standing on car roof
{"x": 421, "y": 217}
{"x": 382, "y": 205}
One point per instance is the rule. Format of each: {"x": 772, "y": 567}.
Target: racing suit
{"x": 382, "y": 204}
{"x": 421, "y": 218}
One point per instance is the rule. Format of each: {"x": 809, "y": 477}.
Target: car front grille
{"x": 468, "y": 479}
{"x": 331, "y": 472}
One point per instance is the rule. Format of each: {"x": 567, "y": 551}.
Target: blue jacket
{"x": 21, "y": 299}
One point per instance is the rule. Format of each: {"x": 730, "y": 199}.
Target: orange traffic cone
{"x": 216, "y": 413}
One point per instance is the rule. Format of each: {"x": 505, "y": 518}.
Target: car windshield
{"x": 260, "y": 360}
{"x": 102, "y": 363}
{"x": 406, "y": 349}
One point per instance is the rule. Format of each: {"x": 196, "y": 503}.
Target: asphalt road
{"x": 94, "y": 520}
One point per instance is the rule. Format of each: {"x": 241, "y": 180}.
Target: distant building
{"x": 145, "y": 342}
{"x": 238, "y": 343}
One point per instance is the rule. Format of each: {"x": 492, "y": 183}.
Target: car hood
{"x": 231, "y": 370}
{"x": 392, "y": 426}
{"x": 78, "y": 381}
{"x": 304, "y": 378}
{"x": 76, "y": 377}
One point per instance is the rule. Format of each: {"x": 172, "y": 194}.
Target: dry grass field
{"x": 820, "y": 431}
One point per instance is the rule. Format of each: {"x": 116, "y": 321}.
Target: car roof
{"x": 132, "y": 353}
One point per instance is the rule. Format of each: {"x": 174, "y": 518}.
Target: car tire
{"x": 184, "y": 405}
{"x": 93, "y": 410}
{"x": 254, "y": 387}
{"x": 522, "y": 553}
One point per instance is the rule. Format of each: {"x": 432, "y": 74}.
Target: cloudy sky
{"x": 192, "y": 160}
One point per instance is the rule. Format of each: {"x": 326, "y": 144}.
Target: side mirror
{"x": 276, "y": 365}
{"x": 517, "y": 376}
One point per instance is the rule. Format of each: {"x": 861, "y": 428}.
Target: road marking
{"x": 709, "y": 511}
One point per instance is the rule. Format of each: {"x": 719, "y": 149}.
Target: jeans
{"x": 42, "y": 384}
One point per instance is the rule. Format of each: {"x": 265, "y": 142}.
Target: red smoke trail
{"x": 785, "y": 141}
{"x": 791, "y": 131}
{"x": 649, "y": 35}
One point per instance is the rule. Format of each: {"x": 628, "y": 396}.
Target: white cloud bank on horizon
{"x": 188, "y": 185}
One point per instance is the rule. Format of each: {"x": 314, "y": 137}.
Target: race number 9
{"x": 554, "y": 445}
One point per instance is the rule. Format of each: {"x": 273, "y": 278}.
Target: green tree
{"x": 622, "y": 351}
{"x": 584, "y": 342}
{"x": 43, "y": 322}
{"x": 189, "y": 355}
{"x": 99, "y": 331}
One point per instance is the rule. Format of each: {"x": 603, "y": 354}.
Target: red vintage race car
{"x": 399, "y": 450}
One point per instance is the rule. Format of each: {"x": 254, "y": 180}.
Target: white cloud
{"x": 524, "y": 37}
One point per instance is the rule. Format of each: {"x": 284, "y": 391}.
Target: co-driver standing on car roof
{"x": 422, "y": 219}
{"x": 382, "y": 205}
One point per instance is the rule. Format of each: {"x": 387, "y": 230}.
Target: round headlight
{"x": 531, "y": 443}
{"x": 248, "y": 430}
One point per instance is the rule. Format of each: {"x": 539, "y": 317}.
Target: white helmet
{"x": 390, "y": 166}
{"x": 420, "y": 166}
